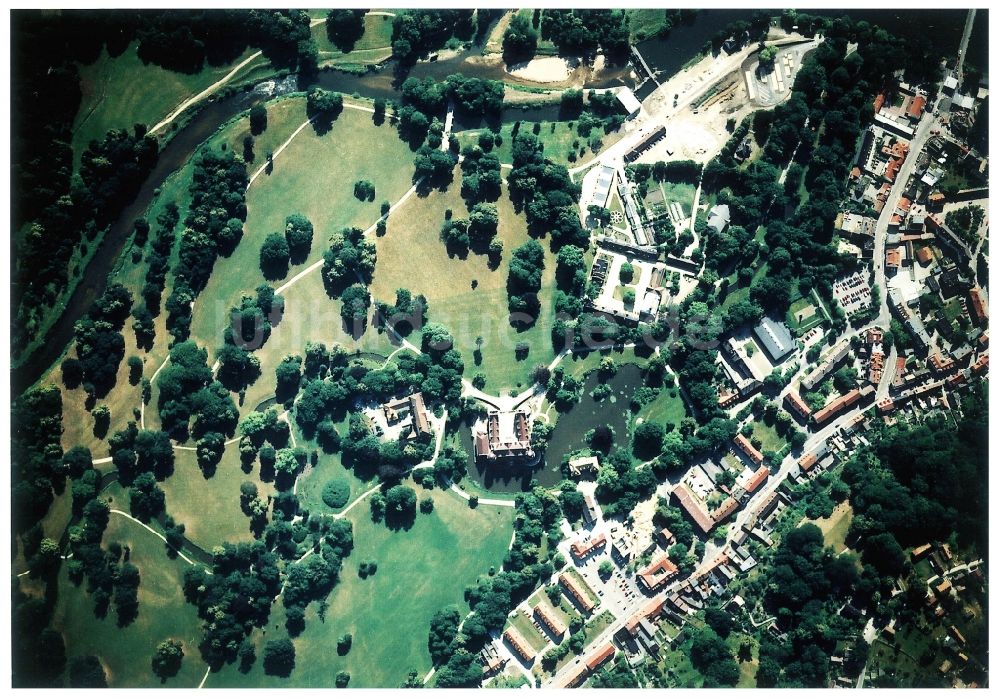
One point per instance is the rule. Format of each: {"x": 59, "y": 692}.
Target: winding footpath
{"x": 208, "y": 91}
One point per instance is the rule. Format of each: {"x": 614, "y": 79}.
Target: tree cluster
{"x": 214, "y": 227}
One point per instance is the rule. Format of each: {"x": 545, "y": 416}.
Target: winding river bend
{"x": 665, "y": 55}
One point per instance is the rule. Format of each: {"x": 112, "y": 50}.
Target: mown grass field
{"x": 769, "y": 438}
{"x": 835, "y": 528}
{"x": 420, "y": 571}
{"x": 163, "y": 614}
{"x": 447, "y": 282}
{"x": 314, "y": 176}
{"x": 121, "y": 91}
{"x": 209, "y": 508}
{"x": 374, "y": 46}
{"x": 667, "y": 408}
{"x": 524, "y": 625}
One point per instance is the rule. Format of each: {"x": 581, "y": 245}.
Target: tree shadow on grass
{"x": 400, "y": 521}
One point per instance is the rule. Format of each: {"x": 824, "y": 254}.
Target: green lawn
{"x": 329, "y": 466}
{"x": 420, "y": 571}
{"x": 163, "y": 613}
{"x": 314, "y": 176}
{"x": 447, "y": 282}
{"x": 565, "y": 611}
{"x": 373, "y": 47}
{"x": 667, "y": 408}
{"x": 811, "y": 315}
{"x": 121, "y": 91}
{"x": 523, "y": 625}
{"x": 769, "y": 439}
{"x": 560, "y": 139}
{"x": 681, "y": 192}
{"x": 835, "y": 528}
{"x": 209, "y": 508}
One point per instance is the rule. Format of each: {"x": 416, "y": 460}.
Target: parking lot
{"x": 853, "y": 292}
{"x": 616, "y": 594}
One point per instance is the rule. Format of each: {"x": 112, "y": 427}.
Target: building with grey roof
{"x": 718, "y": 217}
{"x": 775, "y": 337}
{"x": 602, "y": 188}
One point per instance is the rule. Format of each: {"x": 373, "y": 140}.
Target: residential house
{"x": 516, "y": 640}
{"x": 748, "y": 448}
{"x": 718, "y": 217}
{"x": 842, "y": 404}
{"x": 657, "y": 573}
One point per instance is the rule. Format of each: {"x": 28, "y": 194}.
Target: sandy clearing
{"x": 545, "y": 70}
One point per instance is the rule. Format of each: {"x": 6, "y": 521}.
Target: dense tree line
{"x": 807, "y": 585}
{"x": 538, "y": 514}
{"x": 823, "y": 118}
{"x": 345, "y": 27}
{"x": 110, "y": 174}
{"x": 546, "y": 194}
{"x": 156, "y": 275}
{"x": 931, "y": 473}
{"x": 100, "y": 346}
{"x": 349, "y": 257}
{"x": 524, "y": 280}
{"x": 214, "y": 227}
{"x": 36, "y": 454}
{"x": 184, "y": 40}
{"x": 416, "y": 32}
{"x": 584, "y": 31}
{"x": 520, "y": 39}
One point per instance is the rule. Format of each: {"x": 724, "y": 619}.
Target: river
{"x": 664, "y": 55}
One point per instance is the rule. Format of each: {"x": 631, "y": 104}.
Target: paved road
{"x": 967, "y": 32}
{"x": 649, "y": 119}
{"x": 882, "y": 225}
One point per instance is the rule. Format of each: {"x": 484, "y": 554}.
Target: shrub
{"x": 336, "y": 492}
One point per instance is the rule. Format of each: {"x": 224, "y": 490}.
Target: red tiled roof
{"x": 982, "y": 363}
{"x": 837, "y": 406}
{"x": 727, "y": 508}
{"x": 797, "y": 403}
{"x": 519, "y": 644}
{"x": 893, "y": 169}
{"x": 886, "y": 406}
{"x": 904, "y": 204}
{"x": 976, "y": 305}
{"x": 748, "y": 448}
{"x": 654, "y": 608}
{"x": 758, "y": 479}
{"x": 940, "y": 363}
{"x": 657, "y": 573}
{"x": 807, "y": 461}
{"x": 575, "y": 678}
{"x": 916, "y": 106}
{"x": 549, "y": 619}
{"x": 583, "y": 549}
{"x": 892, "y": 256}
{"x": 924, "y": 255}
{"x": 686, "y": 499}
{"x": 602, "y": 655}
{"x": 879, "y": 101}
{"x": 582, "y": 598}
